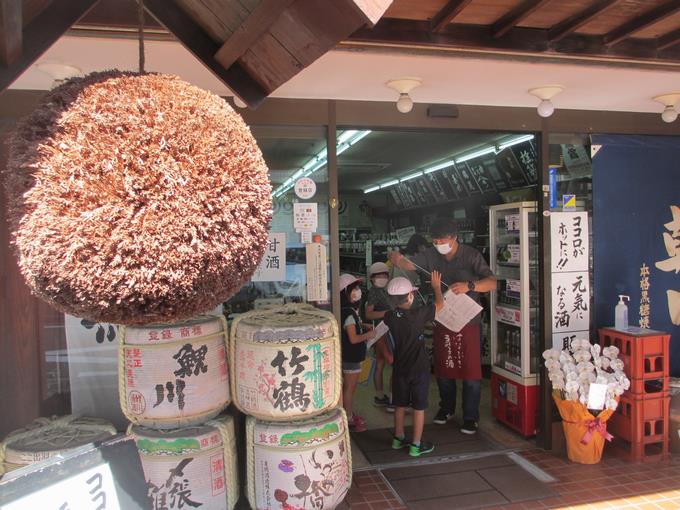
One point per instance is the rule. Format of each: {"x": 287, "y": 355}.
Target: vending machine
{"x": 513, "y": 243}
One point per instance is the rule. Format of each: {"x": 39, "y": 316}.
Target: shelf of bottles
{"x": 514, "y": 305}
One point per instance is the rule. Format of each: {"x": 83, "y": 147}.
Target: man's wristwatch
{"x": 471, "y": 285}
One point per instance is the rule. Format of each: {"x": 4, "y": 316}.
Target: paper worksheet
{"x": 459, "y": 309}
{"x": 380, "y": 330}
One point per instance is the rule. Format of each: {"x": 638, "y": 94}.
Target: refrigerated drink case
{"x": 514, "y": 315}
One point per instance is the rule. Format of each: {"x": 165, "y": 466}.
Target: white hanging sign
{"x": 317, "y": 274}
{"x": 570, "y": 302}
{"x": 305, "y": 188}
{"x": 569, "y": 241}
{"x": 305, "y": 216}
{"x": 272, "y": 268}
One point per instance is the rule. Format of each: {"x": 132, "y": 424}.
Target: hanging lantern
{"x": 136, "y": 199}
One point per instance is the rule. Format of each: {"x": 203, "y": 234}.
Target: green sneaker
{"x": 397, "y": 443}
{"x": 421, "y": 449}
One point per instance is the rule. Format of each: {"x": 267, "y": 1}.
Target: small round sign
{"x": 305, "y": 188}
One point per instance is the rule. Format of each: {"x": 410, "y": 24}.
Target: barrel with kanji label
{"x": 174, "y": 375}
{"x": 303, "y": 464}
{"x": 46, "y": 438}
{"x": 191, "y": 467}
{"x": 285, "y": 362}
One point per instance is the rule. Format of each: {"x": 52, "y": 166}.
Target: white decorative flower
{"x": 611, "y": 404}
{"x": 625, "y": 384}
{"x": 573, "y": 395}
{"x": 585, "y": 344}
{"x": 616, "y": 364}
{"x": 613, "y": 352}
{"x": 618, "y": 391}
{"x": 605, "y": 362}
{"x": 575, "y": 344}
{"x": 551, "y": 354}
{"x": 571, "y": 386}
{"x": 595, "y": 350}
{"x": 572, "y": 375}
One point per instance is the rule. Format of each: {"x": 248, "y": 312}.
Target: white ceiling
{"x": 361, "y": 75}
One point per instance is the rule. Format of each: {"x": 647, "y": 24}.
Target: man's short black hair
{"x": 443, "y": 227}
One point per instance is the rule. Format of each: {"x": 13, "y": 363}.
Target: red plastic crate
{"x": 648, "y": 386}
{"x": 641, "y": 419}
{"x": 640, "y": 452}
{"x": 644, "y": 352}
{"x": 514, "y": 404}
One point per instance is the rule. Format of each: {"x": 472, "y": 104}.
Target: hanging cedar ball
{"x": 136, "y": 199}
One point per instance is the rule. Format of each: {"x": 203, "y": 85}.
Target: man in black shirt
{"x": 457, "y": 353}
{"x": 411, "y": 369}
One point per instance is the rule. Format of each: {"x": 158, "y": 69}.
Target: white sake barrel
{"x": 286, "y": 362}
{"x": 191, "y": 467}
{"x": 51, "y": 437}
{"x": 303, "y": 464}
{"x": 174, "y": 375}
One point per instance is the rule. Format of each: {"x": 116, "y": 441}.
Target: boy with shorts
{"x": 411, "y": 369}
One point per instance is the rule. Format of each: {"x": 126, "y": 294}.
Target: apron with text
{"x": 457, "y": 355}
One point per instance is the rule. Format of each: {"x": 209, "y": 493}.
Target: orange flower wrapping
{"x": 584, "y": 432}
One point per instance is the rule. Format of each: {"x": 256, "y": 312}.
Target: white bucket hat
{"x": 348, "y": 279}
{"x": 378, "y": 267}
{"x": 400, "y": 286}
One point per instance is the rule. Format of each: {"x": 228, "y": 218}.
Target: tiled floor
{"x": 612, "y": 484}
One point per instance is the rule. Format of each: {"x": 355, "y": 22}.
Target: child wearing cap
{"x": 377, "y": 304}
{"x": 411, "y": 373}
{"x": 354, "y": 336}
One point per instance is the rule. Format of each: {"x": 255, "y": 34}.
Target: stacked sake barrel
{"x": 286, "y": 376}
{"x": 48, "y": 438}
{"x": 173, "y": 382}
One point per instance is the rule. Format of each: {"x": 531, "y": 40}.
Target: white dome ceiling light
{"x": 670, "y": 102}
{"x": 545, "y": 94}
{"x": 404, "y": 86}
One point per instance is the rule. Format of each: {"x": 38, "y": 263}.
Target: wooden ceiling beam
{"x": 11, "y": 29}
{"x": 192, "y": 36}
{"x": 447, "y": 14}
{"x": 43, "y": 32}
{"x": 576, "y": 21}
{"x": 669, "y": 39}
{"x": 641, "y": 22}
{"x": 515, "y": 16}
{"x": 520, "y": 41}
{"x": 252, "y": 28}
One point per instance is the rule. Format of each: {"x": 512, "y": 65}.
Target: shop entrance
{"x": 394, "y": 186}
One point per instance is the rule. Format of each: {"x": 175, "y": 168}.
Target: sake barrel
{"x": 285, "y": 362}
{"x": 302, "y": 464}
{"x": 46, "y": 438}
{"x": 173, "y": 376}
{"x": 191, "y": 467}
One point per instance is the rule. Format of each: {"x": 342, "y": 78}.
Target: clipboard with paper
{"x": 379, "y": 331}
{"x": 458, "y": 310}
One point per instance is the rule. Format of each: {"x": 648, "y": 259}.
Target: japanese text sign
{"x": 305, "y": 216}
{"x": 570, "y": 302}
{"x": 569, "y": 241}
{"x": 272, "y": 268}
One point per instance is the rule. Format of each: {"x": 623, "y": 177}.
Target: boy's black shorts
{"x": 411, "y": 390}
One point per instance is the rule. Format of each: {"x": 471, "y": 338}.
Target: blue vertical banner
{"x": 636, "y": 232}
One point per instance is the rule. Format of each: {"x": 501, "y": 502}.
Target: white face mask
{"x": 355, "y": 295}
{"x": 380, "y": 282}
{"x": 443, "y": 248}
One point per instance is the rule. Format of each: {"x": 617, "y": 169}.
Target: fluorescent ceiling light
{"x": 412, "y": 176}
{"x": 390, "y": 183}
{"x": 371, "y": 190}
{"x": 440, "y": 166}
{"x": 519, "y": 139}
{"x": 345, "y": 141}
{"x": 476, "y": 154}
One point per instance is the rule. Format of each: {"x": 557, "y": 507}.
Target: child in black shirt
{"x": 411, "y": 372}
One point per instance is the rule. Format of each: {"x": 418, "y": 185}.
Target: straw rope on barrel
{"x": 285, "y": 362}
{"x": 174, "y": 375}
{"x": 46, "y": 438}
{"x": 301, "y": 464}
{"x": 191, "y": 466}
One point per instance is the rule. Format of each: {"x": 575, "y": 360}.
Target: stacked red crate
{"x": 640, "y": 423}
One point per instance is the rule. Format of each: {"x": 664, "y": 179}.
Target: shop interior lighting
{"x": 450, "y": 162}
{"x": 404, "y": 86}
{"x": 670, "y": 102}
{"x": 346, "y": 140}
{"x": 545, "y": 94}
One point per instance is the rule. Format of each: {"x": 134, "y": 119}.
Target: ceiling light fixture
{"x": 451, "y": 162}
{"x": 545, "y": 94}
{"x": 404, "y": 86}
{"x": 345, "y": 140}
{"x": 670, "y": 101}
